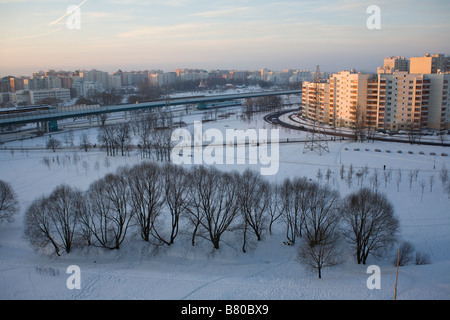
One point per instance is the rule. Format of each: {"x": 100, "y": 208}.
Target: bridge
{"x": 51, "y": 115}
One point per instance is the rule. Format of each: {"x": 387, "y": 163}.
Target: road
{"x": 274, "y": 118}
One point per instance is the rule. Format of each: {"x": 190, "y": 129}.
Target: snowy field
{"x": 269, "y": 270}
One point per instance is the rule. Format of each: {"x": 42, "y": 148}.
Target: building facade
{"x": 387, "y": 100}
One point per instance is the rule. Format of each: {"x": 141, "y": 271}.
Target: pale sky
{"x": 210, "y": 34}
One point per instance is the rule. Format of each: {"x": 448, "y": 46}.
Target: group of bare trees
{"x": 157, "y": 201}
{"x": 324, "y": 221}
{"x": 115, "y": 138}
{"x": 153, "y": 133}
{"x": 261, "y": 104}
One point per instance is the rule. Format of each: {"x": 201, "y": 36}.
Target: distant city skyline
{"x": 235, "y": 35}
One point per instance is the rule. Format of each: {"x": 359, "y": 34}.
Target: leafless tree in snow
{"x": 370, "y": 223}
{"x": 9, "y": 206}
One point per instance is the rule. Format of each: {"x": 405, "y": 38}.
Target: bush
{"x": 422, "y": 258}
{"x": 406, "y": 254}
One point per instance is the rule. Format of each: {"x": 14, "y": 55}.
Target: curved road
{"x": 274, "y": 118}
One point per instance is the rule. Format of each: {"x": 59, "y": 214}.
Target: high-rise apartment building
{"x": 396, "y": 64}
{"x": 430, "y": 64}
{"x": 316, "y": 101}
{"x": 387, "y": 100}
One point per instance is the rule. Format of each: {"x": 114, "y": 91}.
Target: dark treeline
{"x": 158, "y": 201}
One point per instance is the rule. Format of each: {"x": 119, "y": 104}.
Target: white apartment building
{"x": 349, "y": 101}
{"x": 388, "y": 100}
{"x": 163, "y": 78}
{"x": 430, "y": 64}
{"x": 44, "y": 83}
{"x": 86, "y": 88}
{"x": 316, "y": 101}
{"x": 438, "y": 99}
{"x": 34, "y": 96}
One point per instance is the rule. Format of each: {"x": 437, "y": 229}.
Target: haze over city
{"x": 140, "y": 35}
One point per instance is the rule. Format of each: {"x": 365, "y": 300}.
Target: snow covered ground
{"x": 269, "y": 270}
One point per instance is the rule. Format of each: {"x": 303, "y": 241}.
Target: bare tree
{"x": 54, "y": 219}
{"x": 53, "y": 144}
{"x": 213, "y": 202}
{"x": 322, "y": 214}
{"x": 422, "y": 185}
{"x": 342, "y": 172}
{"x": 161, "y": 141}
{"x": 110, "y": 213}
{"x": 349, "y": 177}
{"x": 431, "y": 181}
{"x": 198, "y": 177}
{"x": 422, "y": 258}
{"x": 254, "y": 200}
{"x": 406, "y": 254}
{"x": 370, "y": 223}
{"x": 106, "y": 138}
{"x": 38, "y": 225}
{"x": 328, "y": 175}
{"x": 293, "y": 198}
{"x": 223, "y": 207}
{"x": 321, "y": 245}
{"x": 146, "y": 196}
{"x": 85, "y": 144}
{"x": 387, "y": 176}
{"x": 175, "y": 196}
{"x": 145, "y": 128}
{"x": 322, "y": 254}
{"x": 290, "y": 215}
{"x": 69, "y": 138}
{"x": 274, "y": 207}
{"x": 319, "y": 176}
{"x": 46, "y": 162}
{"x": 443, "y": 176}
{"x": 398, "y": 179}
{"x": 374, "y": 180}
{"x": 9, "y": 205}
{"x": 410, "y": 177}
{"x": 122, "y": 136}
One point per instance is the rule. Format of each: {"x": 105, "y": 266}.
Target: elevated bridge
{"x": 52, "y": 115}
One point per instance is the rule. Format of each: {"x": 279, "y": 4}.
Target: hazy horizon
{"x": 135, "y": 35}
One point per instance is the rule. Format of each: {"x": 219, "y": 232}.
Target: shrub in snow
{"x": 406, "y": 254}
{"x": 422, "y": 258}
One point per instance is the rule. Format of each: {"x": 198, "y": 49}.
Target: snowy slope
{"x": 269, "y": 270}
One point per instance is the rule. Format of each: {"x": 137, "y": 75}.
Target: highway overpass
{"x": 56, "y": 114}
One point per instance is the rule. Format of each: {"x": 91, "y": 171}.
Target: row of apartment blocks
{"x": 391, "y": 99}
{"x": 62, "y": 85}
{"x": 86, "y": 80}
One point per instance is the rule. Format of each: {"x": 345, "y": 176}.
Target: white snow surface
{"x": 270, "y": 270}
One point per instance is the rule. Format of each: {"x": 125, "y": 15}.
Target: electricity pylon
{"x": 316, "y": 140}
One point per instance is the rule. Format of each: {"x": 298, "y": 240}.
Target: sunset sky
{"x": 210, "y": 34}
